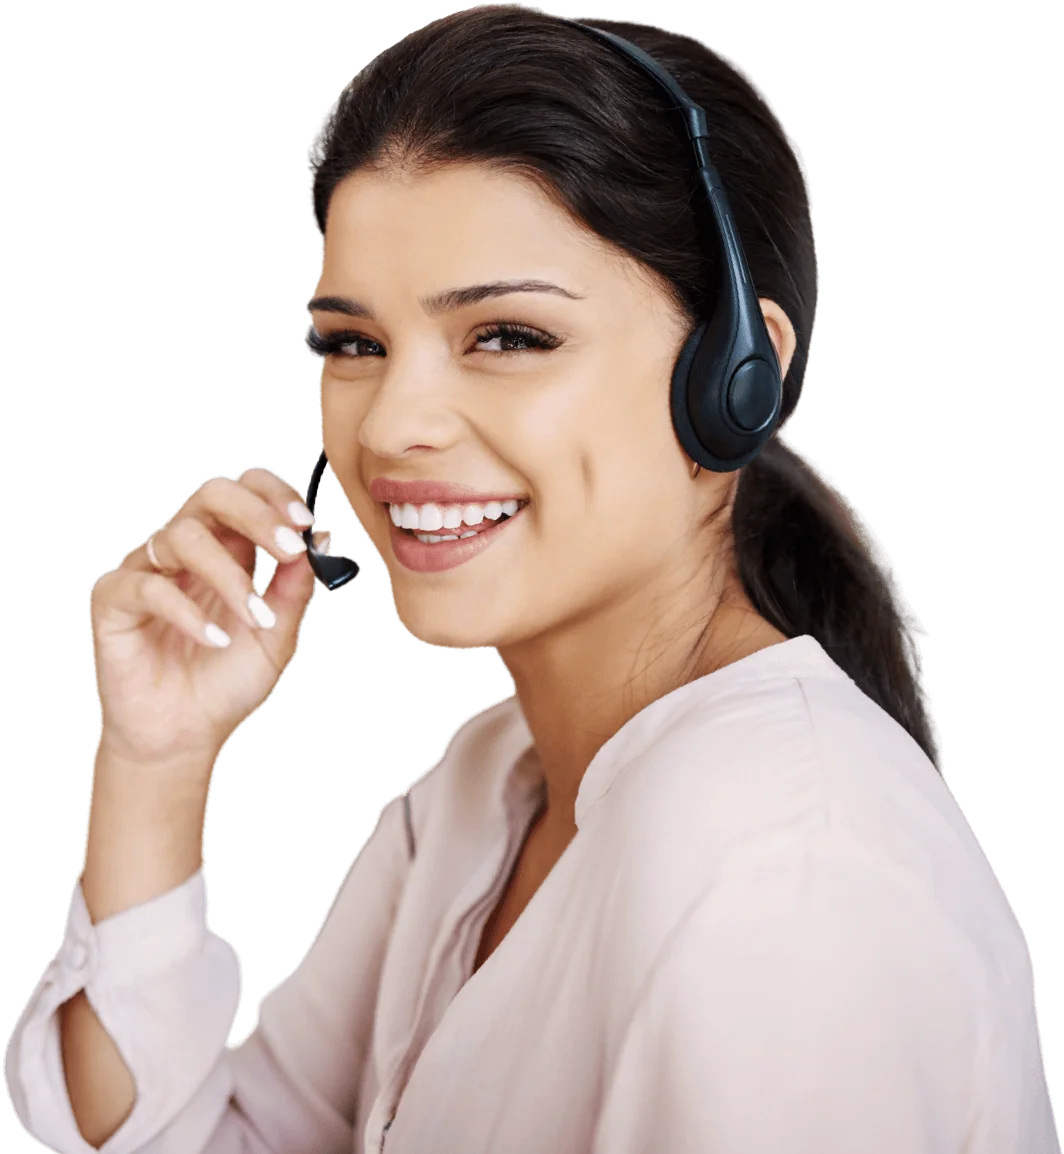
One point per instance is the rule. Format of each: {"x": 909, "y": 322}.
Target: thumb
{"x": 290, "y": 589}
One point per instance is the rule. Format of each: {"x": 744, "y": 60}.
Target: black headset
{"x": 726, "y": 389}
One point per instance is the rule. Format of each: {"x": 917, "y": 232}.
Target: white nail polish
{"x": 216, "y": 636}
{"x": 288, "y": 540}
{"x": 300, "y": 513}
{"x": 262, "y": 613}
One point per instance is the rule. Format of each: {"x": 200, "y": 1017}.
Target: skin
{"x": 609, "y": 591}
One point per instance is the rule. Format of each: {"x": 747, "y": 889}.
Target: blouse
{"x": 772, "y": 933}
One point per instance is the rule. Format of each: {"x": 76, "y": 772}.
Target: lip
{"x": 423, "y": 558}
{"x": 387, "y": 491}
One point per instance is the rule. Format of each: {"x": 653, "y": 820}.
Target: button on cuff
{"x": 77, "y": 964}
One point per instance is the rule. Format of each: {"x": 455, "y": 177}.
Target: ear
{"x": 781, "y": 331}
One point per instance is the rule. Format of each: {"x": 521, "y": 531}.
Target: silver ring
{"x": 150, "y": 549}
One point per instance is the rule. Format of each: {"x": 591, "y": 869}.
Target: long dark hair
{"x": 517, "y": 89}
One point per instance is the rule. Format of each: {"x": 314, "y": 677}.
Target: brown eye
{"x": 348, "y": 345}
{"x": 513, "y": 338}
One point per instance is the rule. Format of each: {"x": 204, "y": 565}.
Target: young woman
{"x": 697, "y": 886}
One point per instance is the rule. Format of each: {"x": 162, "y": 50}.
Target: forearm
{"x": 145, "y": 838}
{"x": 145, "y": 831}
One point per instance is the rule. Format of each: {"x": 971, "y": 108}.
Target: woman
{"x": 697, "y": 885}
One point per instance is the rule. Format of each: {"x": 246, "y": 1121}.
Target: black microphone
{"x": 331, "y": 569}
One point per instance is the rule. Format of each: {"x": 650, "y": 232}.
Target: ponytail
{"x": 808, "y": 567}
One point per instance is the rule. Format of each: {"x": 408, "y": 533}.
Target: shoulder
{"x": 789, "y": 784}
{"x": 765, "y": 756}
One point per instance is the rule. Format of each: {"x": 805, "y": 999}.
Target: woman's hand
{"x": 167, "y": 693}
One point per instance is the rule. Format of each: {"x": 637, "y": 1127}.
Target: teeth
{"x": 428, "y": 518}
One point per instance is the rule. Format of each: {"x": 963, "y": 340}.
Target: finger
{"x": 188, "y": 544}
{"x": 286, "y": 500}
{"x": 292, "y": 586}
{"x": 239, "y": 508}
{"x": 154, "y": 596}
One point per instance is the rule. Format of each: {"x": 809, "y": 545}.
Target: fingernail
{"x": 288, "y": 540}
{"x": 216, "y": 636}
{"x": 323, "y": 544}
{"x": 300, "y": 514}
{"x": 262, "y": 613}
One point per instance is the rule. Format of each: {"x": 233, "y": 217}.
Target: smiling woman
{"x": 697, "y": 884}
{"x": 636, "y": 289}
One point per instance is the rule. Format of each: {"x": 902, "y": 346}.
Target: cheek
{"x": 344, "y": 403}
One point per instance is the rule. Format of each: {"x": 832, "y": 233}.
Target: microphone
{"x": 334, "y": 570}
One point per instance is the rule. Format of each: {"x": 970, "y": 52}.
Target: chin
{"x": 452, "y": 628}
{"x": 454, "y": 639}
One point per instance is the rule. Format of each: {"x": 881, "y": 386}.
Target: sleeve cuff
{"x": 139, "y": 941}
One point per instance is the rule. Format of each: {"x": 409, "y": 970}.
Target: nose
{"x": 412, "y": 407}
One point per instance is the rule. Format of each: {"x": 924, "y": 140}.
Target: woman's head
{"x": 578, "y": 427}
{"x": 501, "y": 144}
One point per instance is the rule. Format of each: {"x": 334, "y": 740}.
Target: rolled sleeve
{"x": 165, "y": 989}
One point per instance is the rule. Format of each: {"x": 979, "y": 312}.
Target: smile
{"x": 428, "y": 552}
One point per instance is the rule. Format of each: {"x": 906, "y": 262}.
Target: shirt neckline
{"x": 796, "y": 655}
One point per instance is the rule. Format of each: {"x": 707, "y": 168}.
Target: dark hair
{"x": 520, "y": 90}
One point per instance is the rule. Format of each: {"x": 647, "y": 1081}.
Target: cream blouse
{"x": 773, "y": 933}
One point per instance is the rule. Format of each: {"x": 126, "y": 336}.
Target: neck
{"x": 577, "y": 687}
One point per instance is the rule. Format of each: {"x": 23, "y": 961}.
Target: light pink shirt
{"x": 774, "y": 933}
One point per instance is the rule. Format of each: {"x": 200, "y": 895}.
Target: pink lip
{"x": 384, "y": 489}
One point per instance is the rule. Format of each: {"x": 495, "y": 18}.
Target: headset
{"x": 726, "y": 390}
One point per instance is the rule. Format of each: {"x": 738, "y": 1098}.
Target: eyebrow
{"x": 446, "y": 301}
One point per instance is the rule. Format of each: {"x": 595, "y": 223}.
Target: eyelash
{"x": 325, "y": 345}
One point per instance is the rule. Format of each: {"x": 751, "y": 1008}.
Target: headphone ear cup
{"x": 697, "y": 403}
{"x": 722, "y": 430}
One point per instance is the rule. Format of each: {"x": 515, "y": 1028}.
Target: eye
{"x": 335, "y": 342}
{"x": 507, "y": 334}
{"x": 346, "y": 343}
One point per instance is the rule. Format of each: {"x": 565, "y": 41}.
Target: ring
{"x": 150, "y": 548}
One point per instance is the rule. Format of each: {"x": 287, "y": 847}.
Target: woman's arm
{"x": 143, "y": 842}
{"x": 164, "y": 991}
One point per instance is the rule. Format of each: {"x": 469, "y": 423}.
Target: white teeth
{"x": 430, "y": 517}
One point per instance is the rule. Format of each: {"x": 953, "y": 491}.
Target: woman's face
{"x": 579, "y": 430}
